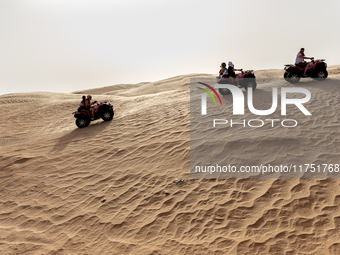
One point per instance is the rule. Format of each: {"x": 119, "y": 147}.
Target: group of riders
{"x": 87, "y": 106}
{"x": 230, "y": 71}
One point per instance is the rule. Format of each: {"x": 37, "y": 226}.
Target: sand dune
{"x": 110, "y": 188}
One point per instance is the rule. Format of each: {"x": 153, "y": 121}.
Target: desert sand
{"x": 110, "y": 188}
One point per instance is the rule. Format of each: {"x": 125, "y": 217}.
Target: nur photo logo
{"x": 239, "y": 104}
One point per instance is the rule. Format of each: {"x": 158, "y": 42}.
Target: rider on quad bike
{"x": 102, "y": 110}
{"x": 315, "y": 69}
{"x": 232, "y": 75}
{"x": 300, "y": 61}
{"x": 244, "y": 79}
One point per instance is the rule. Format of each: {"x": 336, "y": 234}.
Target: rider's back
{"x": 299, "y": 59}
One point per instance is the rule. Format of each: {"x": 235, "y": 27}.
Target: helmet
{"x": 223, "y": 64}
{"x": 230, "y": 63}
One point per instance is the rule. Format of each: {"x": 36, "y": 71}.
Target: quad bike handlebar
{"x": 318, "y": 60}
{"x": 246, "y": 71}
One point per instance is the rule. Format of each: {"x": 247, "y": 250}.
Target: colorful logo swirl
{"x": 212, "y": 89}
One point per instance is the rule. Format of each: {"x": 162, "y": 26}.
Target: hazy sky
{"x": 69, "y": 45}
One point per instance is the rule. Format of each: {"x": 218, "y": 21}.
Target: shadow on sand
{"x": 80, "y": 134}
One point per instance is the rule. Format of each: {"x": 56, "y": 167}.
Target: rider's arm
{"x": 302, "y": 56}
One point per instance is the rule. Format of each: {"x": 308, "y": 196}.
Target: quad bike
{"x": 317, "y": 71}
{"x": 102, "y": 110}
{"x": 246, "y": 79}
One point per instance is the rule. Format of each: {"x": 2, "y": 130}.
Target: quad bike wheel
{"x": 292, "y": 77}
{"x": 82, "y": 122}
{"x": 224, "y": 91}
{"x": 321, "y": 75}
{"x": 250, "y": 82}
{"x": 108, "y": 115}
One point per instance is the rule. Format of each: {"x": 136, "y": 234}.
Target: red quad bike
{"x": 246, "y": 79}
{"x": 318, "y": 71}
{"x": 104, "y": 110}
